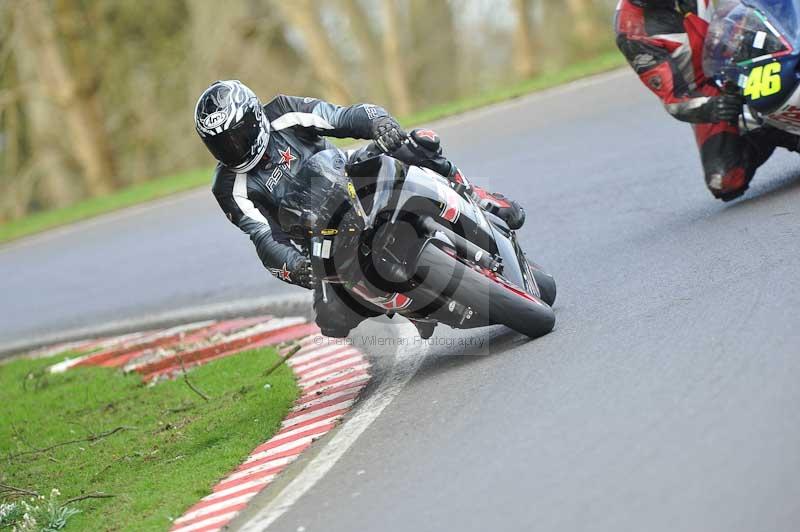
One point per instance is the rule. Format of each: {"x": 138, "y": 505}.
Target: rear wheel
{"x": 493, "y": 300}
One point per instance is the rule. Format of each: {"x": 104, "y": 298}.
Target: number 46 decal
{"x": 763, "y": 81}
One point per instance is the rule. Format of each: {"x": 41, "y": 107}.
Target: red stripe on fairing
{"x": 508, "y": 286}
{"x": 450, "y": 214}
{"x": 396, "y": 301}
{"x": 486, "y": 195}
{"x": 275, "y": 336}
{"x": 211, "y": 515}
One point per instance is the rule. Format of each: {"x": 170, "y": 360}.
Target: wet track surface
{"x": 664, "y": 400}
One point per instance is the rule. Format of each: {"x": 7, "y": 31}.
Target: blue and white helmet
{"x": 230, "y": 120}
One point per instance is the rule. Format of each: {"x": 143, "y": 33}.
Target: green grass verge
{"x": 89, "y": 208}
{"x": 178, "y": 445}
{"x": 165, "y": 186}
{"x": 547, "y": 80}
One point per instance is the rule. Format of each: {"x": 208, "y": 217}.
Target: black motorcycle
{"x": 393, "y": 238}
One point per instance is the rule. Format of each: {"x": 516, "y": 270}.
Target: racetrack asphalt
{"x": 665, "y": 399}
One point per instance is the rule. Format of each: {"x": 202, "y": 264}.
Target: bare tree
{"x": 17, "y": 180}
{"x": 218, "y": 41}
{"x": 396, "y": 78}
{"x": 368, "y": 45}
{"x": 82, "y": 80}
{"x": 304, "y": 17}
{"x": 45, "y": 174}
{"x": 78, "y": 105}
{"x": 434, "y": 54}
{"x": 524, "y": 62}
{"x": 582, "y": 12}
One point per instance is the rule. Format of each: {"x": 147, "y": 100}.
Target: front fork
{"x": 527, "y": 273}
{"x": 463, "y": 247}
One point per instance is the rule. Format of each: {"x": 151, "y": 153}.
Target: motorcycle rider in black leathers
{"x": 258, "y": 146}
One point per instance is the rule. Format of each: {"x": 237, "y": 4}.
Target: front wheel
{"x": 546, "y": 284}
{"x": 493, "y": 300}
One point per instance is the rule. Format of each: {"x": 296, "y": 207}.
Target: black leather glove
{"x": 725, "y": 108}
{"x": 387, "y": 133}
{"x": 298, "y": 272}
{"x": 302, "y": 274}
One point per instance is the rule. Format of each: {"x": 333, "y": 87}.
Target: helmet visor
{"x": 236, "y": 146}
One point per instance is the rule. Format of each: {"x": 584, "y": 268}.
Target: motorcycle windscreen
{"x": 782, "y": 13}
{"x": 740, "y": 35}
{"x": 512, "y": 270}
{"x": 312, "y": 201}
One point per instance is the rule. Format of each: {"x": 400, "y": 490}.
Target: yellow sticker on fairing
{"x": 763, "y": 81}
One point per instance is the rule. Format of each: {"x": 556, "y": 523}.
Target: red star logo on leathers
{"x": 287, "y": 157}
{"x": 428, "y": 134}
{"x": 283, "y": 274}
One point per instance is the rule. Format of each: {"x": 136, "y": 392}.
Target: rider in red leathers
{"x": 663, "y": 42}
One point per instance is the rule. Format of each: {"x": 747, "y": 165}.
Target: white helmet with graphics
{"x": 230, "y": 120}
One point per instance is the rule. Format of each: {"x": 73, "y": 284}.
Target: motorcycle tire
{"x": 493, "y": 301}
{"x": 546, "y": 284}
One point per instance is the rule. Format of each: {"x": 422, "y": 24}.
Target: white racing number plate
{"x": 322, "y": 249}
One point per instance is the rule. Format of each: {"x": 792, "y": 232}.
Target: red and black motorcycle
{"x": 395, "y": 238}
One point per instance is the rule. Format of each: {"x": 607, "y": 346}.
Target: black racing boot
{"x": 334, "y": 332}
{"x": 428, "y": 142}
{"x": 334, "y": 316}
{"x": 506, "y": 209}
{"x": 730, "y": 186}
{"x": 424, "y": 328}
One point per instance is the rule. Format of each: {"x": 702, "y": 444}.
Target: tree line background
{"x": 99, "y": 94}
